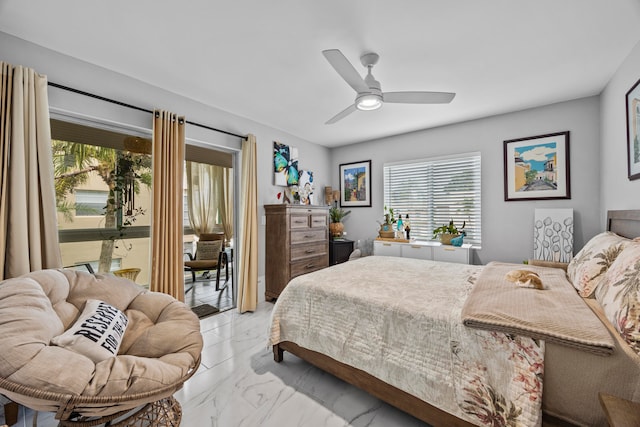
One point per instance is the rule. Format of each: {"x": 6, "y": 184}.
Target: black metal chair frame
{"x": 223, "y": 259}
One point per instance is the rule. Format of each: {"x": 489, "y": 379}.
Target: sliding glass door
{"x": 103, "y": 192}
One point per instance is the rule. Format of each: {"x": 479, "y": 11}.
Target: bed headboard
{"x": 624, "y": 223}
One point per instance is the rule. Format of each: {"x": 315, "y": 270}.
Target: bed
{"x": 393, "y": 327}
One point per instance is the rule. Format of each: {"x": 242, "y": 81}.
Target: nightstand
{"x": 339, "y": 251}
{"x": 620, "y": 412}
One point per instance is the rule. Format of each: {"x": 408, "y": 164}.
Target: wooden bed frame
{"x": 625, "y": 223}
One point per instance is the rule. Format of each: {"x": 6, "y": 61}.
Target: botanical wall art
{"x": 633, "y": 128}
{"x": 553, "y": 235}
{"x": 537, "y": 167}
{"x": 355, "y": 184}
{"x": 285, "y": 164}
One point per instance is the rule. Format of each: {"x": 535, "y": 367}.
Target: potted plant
{"x": 336, "y": 215}
{"x": 386, "y": 227}
{"x": 448, "y": 232}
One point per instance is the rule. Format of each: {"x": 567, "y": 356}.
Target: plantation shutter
{"x": 435, "y": 191}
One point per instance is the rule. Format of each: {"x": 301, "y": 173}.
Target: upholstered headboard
{"x": 624, "y": 223}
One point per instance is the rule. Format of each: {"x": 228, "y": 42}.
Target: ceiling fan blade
{"x": 341, "y": 115}
{"x": 418, "y": 97}
{"x": 342, "y": 65}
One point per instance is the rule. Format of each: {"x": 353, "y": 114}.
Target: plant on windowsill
{"x": 386, "y": 227}
{"x": 336, "y": 215}
{"x": 448, "y": 232}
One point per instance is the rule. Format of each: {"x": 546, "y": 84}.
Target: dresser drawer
{"x": 416, "y": 251}
{"x": 299, "y": 221}
{"x": 300, "y": 236}
{"x": 448, "y": 253}
{"x": 308, "y": 265}
{"x": 308, "y": 250}
{"x": 318, "y": 221}
{"x": 386, "y": 249}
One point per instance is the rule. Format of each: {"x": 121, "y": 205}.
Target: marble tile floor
{"x": 204, "y": 292}
{"x": 239, "y": 385}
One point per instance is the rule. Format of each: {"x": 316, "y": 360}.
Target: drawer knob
{"x": 308, "y": 266}
{"x": 308, "y": 236}
{"x": 309, "y": 251}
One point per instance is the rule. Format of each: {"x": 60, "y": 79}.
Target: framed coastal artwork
{"x": 633, "y": 129}
{"x": 355, "y": 184}
{"x": 537, "y": 167}
{"x": 285, "y": 165}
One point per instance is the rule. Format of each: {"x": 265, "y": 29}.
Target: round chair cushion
{"x": 160, "y": 346}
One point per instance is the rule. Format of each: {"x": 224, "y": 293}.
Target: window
{"x": 103, "y": 196}
{"x": 435, "y": 191}
{"x": 90, "y": 202}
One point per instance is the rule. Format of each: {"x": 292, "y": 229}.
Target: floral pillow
{"x": 619, "y": 294}
{"x": 586, "y": 269}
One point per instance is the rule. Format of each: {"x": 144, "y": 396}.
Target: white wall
{"x": 80, "y": 75}
{"x": 506, "y": 226}
{"x": 616, "y": 191}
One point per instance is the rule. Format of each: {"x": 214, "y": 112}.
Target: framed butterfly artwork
{"x": 285, "y": 165}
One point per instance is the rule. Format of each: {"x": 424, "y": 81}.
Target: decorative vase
{"x": 336, "y": 229}
{"x": 445, "y": 239}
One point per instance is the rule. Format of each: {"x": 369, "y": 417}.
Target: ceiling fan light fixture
{"x": 369, "y": 102}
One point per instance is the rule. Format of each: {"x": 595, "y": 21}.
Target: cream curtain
{"x": 248, "y": 280}
{"x": 28, "y": 219}
{"x": 201, "y": 198}
{"x": 167, "y": 274}
{"x": 209, "y": 198}
{"x": 226, "y": 211}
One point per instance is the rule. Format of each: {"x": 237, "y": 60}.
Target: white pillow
{"x": 97, "y": 333}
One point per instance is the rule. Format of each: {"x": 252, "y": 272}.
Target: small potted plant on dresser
{"x": 386, "y": 227}
{"x": 448, "y": 232}
{"x": 336, "y": 228}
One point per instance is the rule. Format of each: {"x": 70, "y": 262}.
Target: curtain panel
{"x": 227, "y": 204}
{"x": 167, "y": 273}
{"x": 248, "y": 280}
{"x": 209, "y": 198}
{"x": 28, "y": 217}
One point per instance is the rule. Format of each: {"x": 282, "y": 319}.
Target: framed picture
{"x": 633, "y": 128}
{"x": 355, "y": 184}
{"x": 537, "y": 167}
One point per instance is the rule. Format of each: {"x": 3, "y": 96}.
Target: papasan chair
{"x": 95, "y": 348}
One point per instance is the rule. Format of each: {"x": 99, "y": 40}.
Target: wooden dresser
{"x": 297, "y": 242}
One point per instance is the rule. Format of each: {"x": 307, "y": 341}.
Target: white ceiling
{"x": 262, "y": 59}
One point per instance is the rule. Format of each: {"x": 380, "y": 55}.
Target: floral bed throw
{"x": 399, "y": 320}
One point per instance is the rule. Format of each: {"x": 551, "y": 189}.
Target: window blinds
{"x": 434, "y": 191}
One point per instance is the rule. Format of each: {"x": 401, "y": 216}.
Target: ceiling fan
{"x": 369, "y": 93}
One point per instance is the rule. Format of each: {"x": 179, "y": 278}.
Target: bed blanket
{"x": 556, "y": 314}
{"x": 399, "y": 320}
